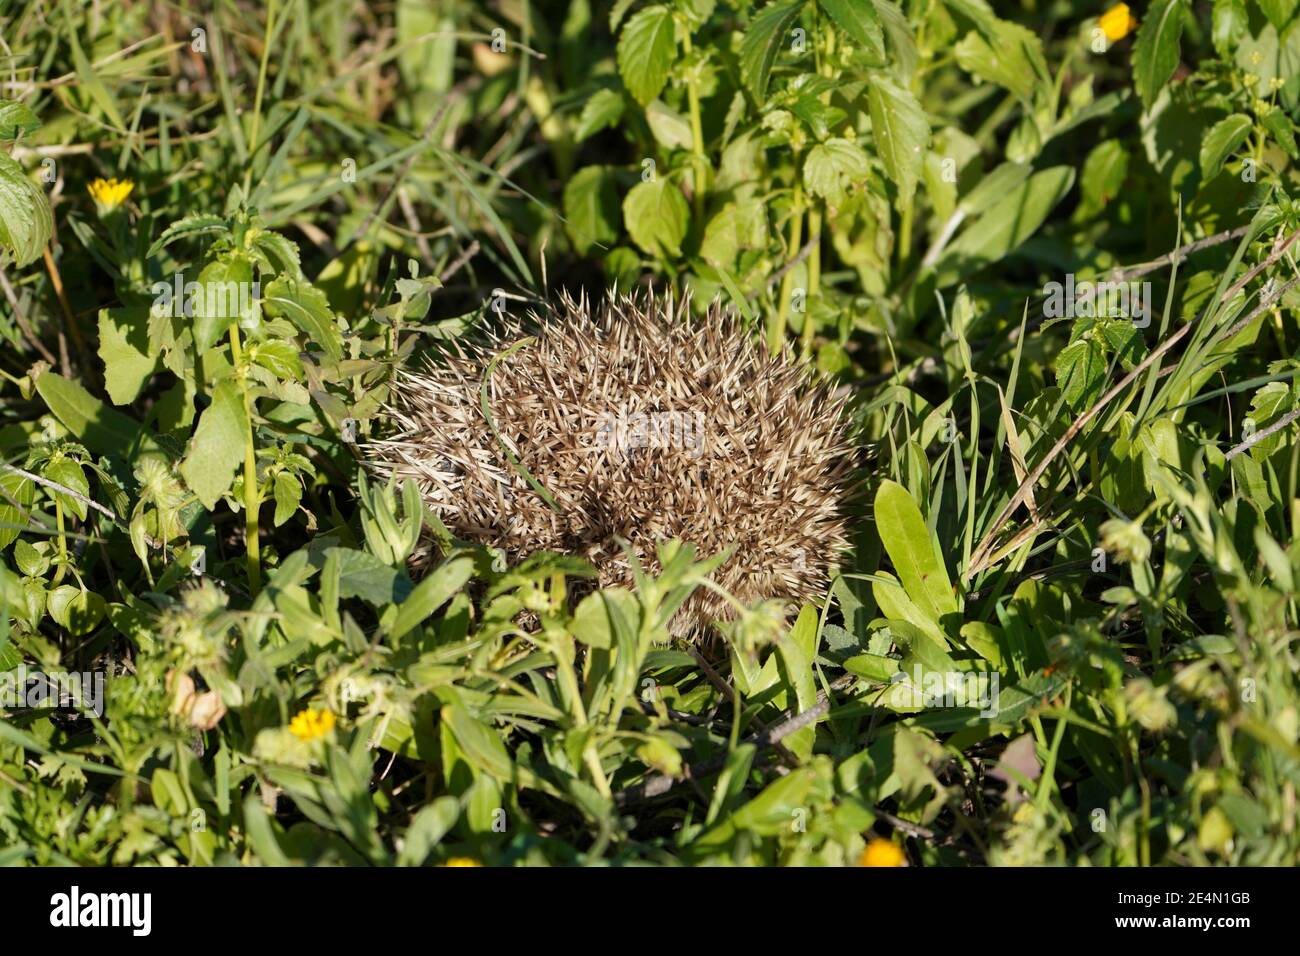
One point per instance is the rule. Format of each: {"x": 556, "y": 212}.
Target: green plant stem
{"x": 256, "y": 128}
{"x": 814, "y": 277}
{"x": 63, "y": 543}
{"x": 697, "y": 138}
{"x": 252, "y": 500}
{"x": 776, "y": 327}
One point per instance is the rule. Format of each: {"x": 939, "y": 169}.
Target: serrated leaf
{"x": 859, "y": 20}
{"x": 213, "y": 455}
{"x": 831, "y": 167}
{"x": 16, "y": 119}
{"x": 307, "y": 308}
{"x": 762, "y": 41}
{"x": 645, "y": 52}
{"x": 1156, "y": 52}
{"x": 26, "y": 221}
{"x": 901, "y": 133}
{"x": 197, "y": 225}
{"x": 288, "y": 493}
{"x": 280, "y": 358}
{"x": 656, "y": 217}
{"x": 16, "y": 496}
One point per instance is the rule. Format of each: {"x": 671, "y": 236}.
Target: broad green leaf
{"x": 215, "y": 450}
{"x": 1010, "y": 56}
{"x": 16, "y": 496}
{"x": 645, "y": 52}
{"x": 26, "y": 221}
{"x": 100, "y": 428}
{"x": 591, "y": 210}
{"x": 603, "y": 109}
{"x": 1007, "y": 224}
{"x": 831, "y": 167}
{"x": 766, "y": 35}
{"x": 76, "y": 610}
{"x": 859, "y": 20}
{"x": 280, "y": 358}
{"x": 16, "y": 119}
{"x": 1156, "y": 52}
{"x": 911, "y": 549}
{"x": 656, "y": 217}
{"x": 363, "y": 575}
{"x": 901, "y": 133}
{"x": 1268, "y": 405}
{"x": 1222, "y": 141}
{"x": 307, "y": 308}
{"x": 287, "y": 491}
{"x": 124, "y": 350}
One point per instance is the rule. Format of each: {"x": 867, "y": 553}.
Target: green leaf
{"x": 307, "y": 308}
{"x": 196, "y": 225}
{"x": 363, "y": 575}
{"x": 279, "y": 358}
{"x": 1156, "y": 52}
{"x": 859, "y": 20}
{"x": 435, "y": 590}
{"x": 16, "y": 496}
{"x": 26, "y": 221}
{"x": 1008, "y": 55}
{"x": 911, "y": 549}
{"x": 645, "y": 52}
{"x": 100, "y": 428}
{"x": 656, "y": 216}
{"x": 603, "y": 109}
{"x": 591, "y": 208}
{"x": 124, "y": 350}
{"x": 1222, "y": 141}
{"x": 16, "y": 119}
{"x": 224, "y": 296}
{"x": 1268, "y": 405}
{"x": 481, "y": 744}
{"x": 831, "y": 167}
{"x": 287, "y": 490}
{"x": 214, "y": 451}
{"x": 901, "y": 133}
{"x": 766, "y": 33}
{"x": 1007, "y": 224}
{"x": 75, "y": 609}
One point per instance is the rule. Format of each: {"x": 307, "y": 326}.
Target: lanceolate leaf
{"x": 1221, "y": 142}
{"x": 766, "y": 35}
{"x": 306, "y": 307}
{"x": 911, "y": 550}
{"x": 1155, "y": 54}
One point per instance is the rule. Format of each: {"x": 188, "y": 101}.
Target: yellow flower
{"x": 312, "y": 724}
{"x": 880, "y": 852}
{"x": 1117, "y": 22}
{"x": 110, "y": 193}
{"x": 461, "y": 861}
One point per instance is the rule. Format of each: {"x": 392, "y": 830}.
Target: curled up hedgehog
{"x": 641, "y": 424}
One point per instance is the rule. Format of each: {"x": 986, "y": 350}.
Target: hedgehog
{"x": 628, "y": 424}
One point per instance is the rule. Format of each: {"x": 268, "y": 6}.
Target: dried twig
{"x": 62, "y": 489}
{"x": 1263, "y": 433}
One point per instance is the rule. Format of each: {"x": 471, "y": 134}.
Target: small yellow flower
{"x": 880, "y": 852}
{"x": 1117, "y": 22}
{"x": 110, "y": 193}
{"x": 461, "y": 861}
{"x": 312, "y": 724}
